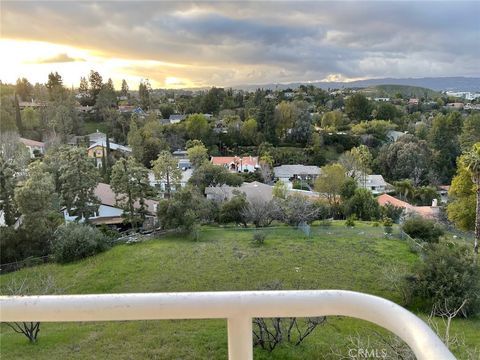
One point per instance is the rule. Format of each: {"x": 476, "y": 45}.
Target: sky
{"x": 187, "y": 44}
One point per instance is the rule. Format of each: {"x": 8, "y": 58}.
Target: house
{"x": 413, "y": 101}
{"x": 427, "y": 212}
{"x": 176, "y": 118}
{"x": 237, "y": 164}
{"x": 34, "y": 147}
{"x": 382, "y": 99}
{"x": 160, "y": 184}
{"x": 393, "y": 135}
{"x": 98, "y": 149}
{"x": 180, "y": 154}
{"x": 455, "y": 105}
{"x": 254, "y": 191}
{"x": 109, "y": 213}
{"x": 375, "y": 183}
{"x": 287, "y": 173}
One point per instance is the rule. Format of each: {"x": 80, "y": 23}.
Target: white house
{"x": 375, "y": 183}
{"x": 160, "y": 184}
{"x": 287, "y": 173}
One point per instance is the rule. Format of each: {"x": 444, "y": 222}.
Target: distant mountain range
{"x": 435, "y": 83}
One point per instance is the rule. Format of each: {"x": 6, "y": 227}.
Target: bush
{"x": 75, "y": 241}
{"x": 350, "y": 222}
{"x": 448, "y": 276}
{"x": 388, "y": 225}
{"x": 259, "y": 237}
{"x": 425, "y": 230}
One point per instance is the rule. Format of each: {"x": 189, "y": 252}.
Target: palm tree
{"x": 471, "y": 161}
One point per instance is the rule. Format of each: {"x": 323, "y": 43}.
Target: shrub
{"x": 75, "y": 241}
{"x": 388, "y": 225}
{"x": 350, "y": 222}
{"x": 425, "y": 230}
{"x": 447, "y": 277}
{"x": 259, "y": 237}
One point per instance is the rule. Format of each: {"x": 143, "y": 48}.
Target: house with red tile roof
{"x": 428, "y": 212}
{"x": 236, "y": 163}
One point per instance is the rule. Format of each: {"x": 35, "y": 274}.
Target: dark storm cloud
{"x": 275, "y": 41}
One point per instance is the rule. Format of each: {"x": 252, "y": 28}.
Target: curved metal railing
{"x": 238, "y": 307}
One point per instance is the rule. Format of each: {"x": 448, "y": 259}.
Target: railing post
{"x": 240, "y": 346}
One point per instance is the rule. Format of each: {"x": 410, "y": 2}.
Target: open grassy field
{"x": 332, "y": 257}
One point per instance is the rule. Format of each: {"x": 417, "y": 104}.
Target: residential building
{"x": 98, "y": 149}
{"x": 34, "y": 147}
{"x": 160, "y": 184}
{"x": 394, "y": 135}
{"x": 428, "y": 212}
{"x": 455, "y": 105}
{"x": 375, "y": 183}
{"x": 287, "y": 173}
{"x": 254, "y": 191}
{"x": 109, "y": 213}
{"x": 176, "y": 118}
{"x": 237, "y": 164}
{"x": 413, "y": 101}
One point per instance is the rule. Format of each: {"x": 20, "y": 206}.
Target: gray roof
{"x": 373, "y": 180}
{"x": 254, "y": 191}
{"x": 288, "y": 171}
{"x": 177, "y": 117}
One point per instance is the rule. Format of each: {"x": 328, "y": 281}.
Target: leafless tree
{"x": 262, "y": 213}
{"x": 268, "y": 333}
{"x": 447, "y": 314}
{"x": 298, "y": 209}
{"x": 41, "y": 286}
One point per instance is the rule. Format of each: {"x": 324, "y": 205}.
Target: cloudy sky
{"x": 186, "y": 44}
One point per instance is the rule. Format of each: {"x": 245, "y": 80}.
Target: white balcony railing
{"x": 237, "y": 307}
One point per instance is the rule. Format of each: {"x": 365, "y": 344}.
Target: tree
{"x": 8, "y": 183}
{"x": 78, "y": 178}
{"x": 165, "y": 168}
{"x": 332, "y": 120}
{"x": 129, "y": 181}
{"x": 62, "y": 118}
{"x": 444, "y": 142}
{"x": 18, "y": 116}
{"x": 144, "y": 90}
{"x": 302, "y": 129}
{"x": 285, "y": 117}
{"x": 280, "y": 190}
{"x": 96, "y": 84}
{"x": 185, "y": 209}
{"x": 124, "y": 90}
{"x": 84, "y": 93}
{"x": 24, "y": 89}
{"x": 249, "y": 132}
{"x": 357, "y": 107}
{"x": 233, "y": 210}
{"x": 106, "y": 99}
{"x": 330, "y": 182}
{"x": 471, "y": 161}
{"x": 423, "y": 229}
{"x": 74, "y": 241}
{"x": 36, "y": 200}
{"x": 197, "y": 154}
{"x": 213, "y": 175}
{"x": 470, "y": 132}
{"x": 363, "y": 157}
{"x": 377, "y": 128}
{"x": 266, "y": 121}
{"x": 54, "y": 85}
{"x": 407, "y": 158}
{"x": 298, "y": 209}
{"x": 262, "y": 213}
{"x": 41, "y": 285}
{"x": 447, "y": 278}
{"x": 386, "y": 111}
{"x": 363, "y": 205}
{"x": 461, "y": 209}
{"x": 197, "y": 127}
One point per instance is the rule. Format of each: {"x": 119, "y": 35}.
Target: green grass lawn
{"x": 223, "y": 259}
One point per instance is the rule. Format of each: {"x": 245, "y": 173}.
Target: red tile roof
{"x": 227, "y": 160}
{"x": 388, "y": 199}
